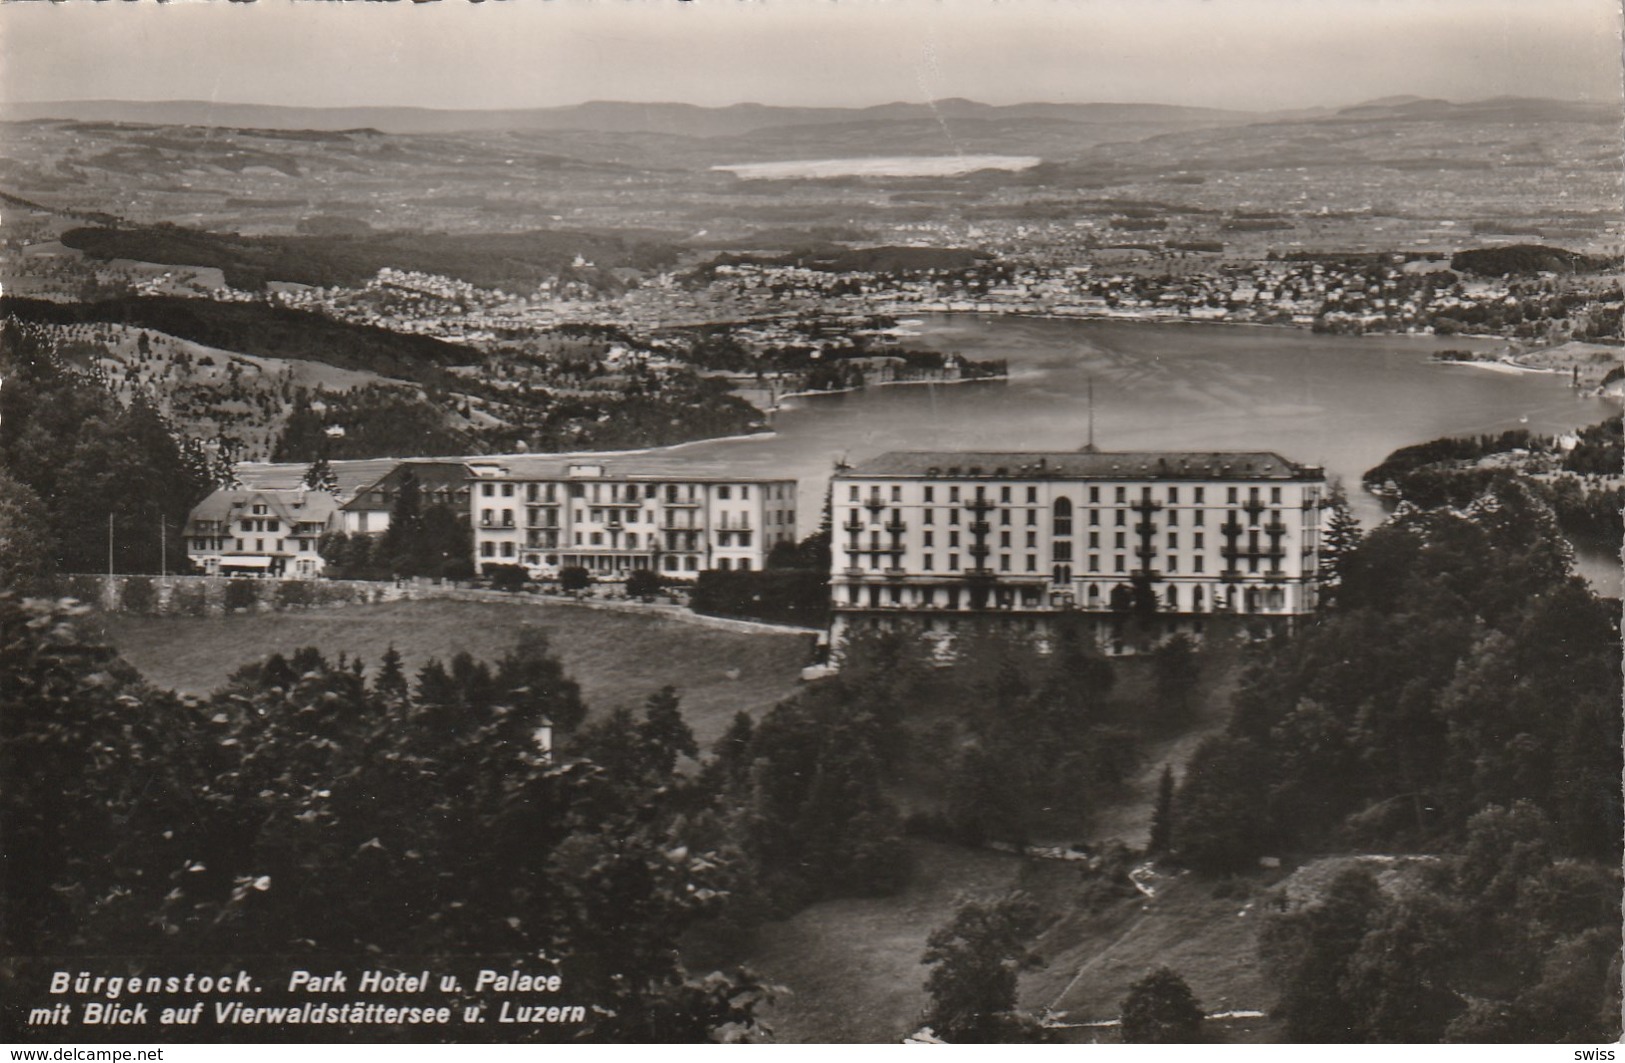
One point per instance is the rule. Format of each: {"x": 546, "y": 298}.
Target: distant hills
{"x": 606, "y": 116}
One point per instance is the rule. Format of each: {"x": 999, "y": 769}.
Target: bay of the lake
{"x": 1342, "y": 402}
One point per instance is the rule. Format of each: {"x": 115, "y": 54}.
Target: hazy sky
{"x": 524, "y": 53}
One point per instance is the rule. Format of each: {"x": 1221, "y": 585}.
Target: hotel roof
{"x": 1085, "y": 465}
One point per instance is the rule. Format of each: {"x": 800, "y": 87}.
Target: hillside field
{"x": 618, "y": 658}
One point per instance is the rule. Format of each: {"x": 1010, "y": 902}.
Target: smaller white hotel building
{"x": 941, "y": 536}
{"x": 613, "y": 516}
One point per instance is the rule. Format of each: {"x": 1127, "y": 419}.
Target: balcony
{"x": 1152, "y": 574}
{"x": 978, "y": 550}
{"x": 853, "y": 573}
{"x": 1311, "y": 504}
{"x": 1144, "y": 528}
{"x": 1231, "y": 528}
{"x": 896, "y": 527}
{"x": 980, "y": 505}
{"x": 896, "y": 573}
{"x": 854, "y": 526}
{"x": 874, "y": 502}
{"x": 1275, "y": 527}
{"x": 1145, "y": 505}
{"x": 1254, "y": 506}
{"x": 683, "y": 503}
{"x": 978, "y": 574}
{"x": 1145, "y": 552}
{"x": 979, "y": 527}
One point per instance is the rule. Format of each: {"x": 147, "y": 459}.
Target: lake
{"x": 1343, "y": 402}
{"x": 878, "y": 166}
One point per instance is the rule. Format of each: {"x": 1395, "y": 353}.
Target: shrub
{"x": 643, "y": 583}
{"x": 140, "y": 596}
{"x": 189, "y": 599}
{"x": 506, "y": 577}
{"x": 294, "y": 594}
{"x": 574, "y": 578}
{"x": 241, "y": 594}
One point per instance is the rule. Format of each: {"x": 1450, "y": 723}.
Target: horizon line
{"x": 1411, "y": 97}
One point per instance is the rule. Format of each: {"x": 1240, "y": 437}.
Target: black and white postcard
{"x": 878, "y": 521}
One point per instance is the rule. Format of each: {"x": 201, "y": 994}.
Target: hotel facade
{"x": 613, "y": 517}
{"x": 944, "y": 537}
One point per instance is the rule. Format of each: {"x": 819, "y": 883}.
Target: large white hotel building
{"x": 612, "y": 516}
{"x": 943, "y": 536}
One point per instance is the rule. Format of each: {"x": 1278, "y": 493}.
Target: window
{"x": 896, "y": 493}
{"x": 1032, "y": 562}
{"x": 1118, "y": 540}
{"x": 927, "y": 563}
{"x": 1173, "y": 563}
{"x": 1004, "y": 495}
{"x": 1061, "y": 551}
{"x": 1198, "y": 563}
{"x": 488, "y": 549}
{"x": 1173, "y": 517}
{"x": 1094, "y": 540}
{"x": 1230, "y": 496}
{"x": 953, "y": 562}
{"x": 723, "y": 564}
{"x": 953, "y": 538}
{"x": 1201, "y": 495}
{"x": 1032, "y": 496}
{"x": 273, "y": 525}
{"x": 261, "y": 509}
{"x": 1004, "y": 516}
{"x": 722, "y": 492}
{"x": 1119, "y": 561}
{"x": 1004, "y": 562}
{"x": 1004, "y": 540}
{"x": 1122, "y": 518}
{"x": 1199, "y": 539}
{"x": 930, "y": 495}
{"x": 929, "y": 517}
{"x": 486, "y": 516}
{"x": 953, "y": 516}
{"x": 1063, "y": 516}
{"x": 507, "y": 490}
{"x": 1032, "y": 540}
{"x": 631, "y": 540}
{"x": 1275, "y": 496}
{"x": 927, "y": 541}
{"x": 852, "y": 493}
{"x": 1094, "y": 562}
{"x": 1173, "y": 496}
{"x": 1173, "y": 540}
{"x": 507, "y": 549}
{"x": 1094, "y": 495}
{"x": 744, "y": 564}
{"x": 744, "y": 493}
{"x": 953, "y": 494}
{"x": 1200, "y": 517}
{"x": 1122, "y": 495}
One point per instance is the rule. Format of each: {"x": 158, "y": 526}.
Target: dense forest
{"x": 516, "y": 261}
{"x": 1581, "y": 485}
{"x": 89, "y": 483}
{"x": 1459, "y": 697}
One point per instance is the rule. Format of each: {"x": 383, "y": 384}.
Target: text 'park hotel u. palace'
{"x": 940, "y": 537}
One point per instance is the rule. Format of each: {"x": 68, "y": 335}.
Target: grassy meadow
{"x": 618, "y": 658}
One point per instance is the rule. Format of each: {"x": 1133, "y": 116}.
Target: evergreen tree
{"x": 1162, "y": 815}
{"x": 1342, "y": 536}
{"x": 404, "y": 539}
{"x": 321, "y": 477}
